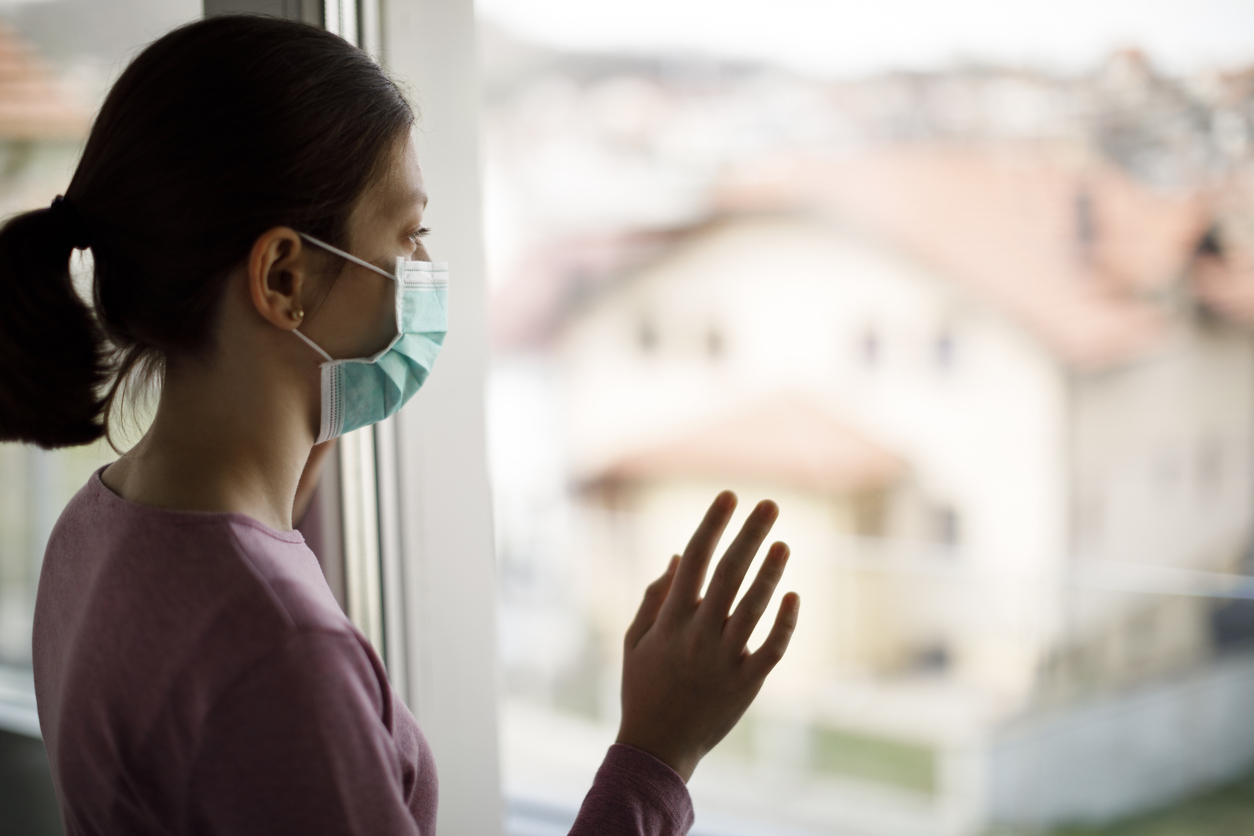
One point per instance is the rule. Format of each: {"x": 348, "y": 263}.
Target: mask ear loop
{"x": 349, "y": 256}
{"x": 396, "y": 280}
{"x": 313, "y": 345}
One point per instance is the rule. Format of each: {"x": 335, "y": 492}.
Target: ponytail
{"x": 53, "y": 362}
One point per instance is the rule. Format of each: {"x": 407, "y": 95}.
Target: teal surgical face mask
{"x": 365, "y": 390}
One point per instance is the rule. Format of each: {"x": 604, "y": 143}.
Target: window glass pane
{"x": 981, "y": 325}
{"x": 57, "y": 61}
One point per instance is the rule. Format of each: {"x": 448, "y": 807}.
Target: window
{"x": 1008, "y": 185}
{"x": 646, "y": 335}
{"x": 946, "y": 526}
{"x": 944, "y": 350}
{"x": 847, "y": 219}
{"x": 714, "y": 343}
{"x": 1210, "y": 462}
{"x": 870, "y": 348}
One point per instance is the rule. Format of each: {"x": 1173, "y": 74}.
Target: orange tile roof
{"x": 786, "y": 440}
{"x": 33, "y": 105}
{"x": 1001, "y": 222}
{"x": 1004, "y": 223}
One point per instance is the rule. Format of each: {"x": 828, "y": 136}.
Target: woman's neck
{"x": 227, "y": 439}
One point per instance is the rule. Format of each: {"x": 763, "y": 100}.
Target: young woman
{"x": 253, "y": 206}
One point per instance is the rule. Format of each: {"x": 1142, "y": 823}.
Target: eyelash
{"x": 421, "y": 233}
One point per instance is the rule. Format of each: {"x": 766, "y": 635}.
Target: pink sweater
{"x": 194, "y": 675}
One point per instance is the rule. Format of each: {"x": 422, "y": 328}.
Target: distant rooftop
{"x": 784, "y": 440}
{"x": 1076, "y": 252}
{"x": 33, "y": 105}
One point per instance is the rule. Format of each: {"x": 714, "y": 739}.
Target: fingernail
{"x": 768, "y": 508}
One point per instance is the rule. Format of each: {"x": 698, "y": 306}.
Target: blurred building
{"x": 996, "y": 358}
{"x": 983, "y": 334}
{"x": 41, "y": 127}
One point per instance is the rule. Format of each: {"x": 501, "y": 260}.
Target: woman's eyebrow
{"x": 415, "y": 195}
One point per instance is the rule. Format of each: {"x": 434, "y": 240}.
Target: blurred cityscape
{"x": 984, "y": 334}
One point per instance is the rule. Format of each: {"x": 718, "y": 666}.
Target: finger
{"x": 749, "y": 611}
{"x": 766, "y": 657}
{"x": 654, "y": 595}
{"x": 691, "y": 572}
{"x": 730, "y": 572}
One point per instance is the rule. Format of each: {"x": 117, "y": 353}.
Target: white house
{"x": 982, "y": 390}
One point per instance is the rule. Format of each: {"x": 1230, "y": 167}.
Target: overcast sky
{"x": 844, "y": 36}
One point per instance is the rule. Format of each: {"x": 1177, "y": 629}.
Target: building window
{"x": 714, "y": 344}
{"x": 869, "y": 349}
{"x": 946, "y": 525}
{"x": 944, "y": 350}
{"x": 646, "y": 335}
{"x": 1210, "y": 462}
{"x": 1088, "y": 523}
{"x": 1085, "y": 225}
{"x": 870, "y": 514}
{"x": 931, "y": 658}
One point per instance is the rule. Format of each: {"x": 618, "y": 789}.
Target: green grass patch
{"x": 1226, "y": 811}
{"x": 909, "y": 766}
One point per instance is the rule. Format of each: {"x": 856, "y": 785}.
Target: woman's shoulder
{"x": 107, "y": 553}
{"x": 288, "y": 572}
{"x": 155, "y": 620}
{"x": 173, "y": 597}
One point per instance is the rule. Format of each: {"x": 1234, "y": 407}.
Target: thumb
{"x": 654, "y": 596}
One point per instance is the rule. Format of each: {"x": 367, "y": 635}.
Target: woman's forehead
{"x": 404, "y": 188}
{"x": 398, "y": 197}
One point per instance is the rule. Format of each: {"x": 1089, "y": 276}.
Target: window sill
{"x": 17, "y": 701}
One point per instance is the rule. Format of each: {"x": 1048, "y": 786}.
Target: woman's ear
{"x": 278, "y": 274}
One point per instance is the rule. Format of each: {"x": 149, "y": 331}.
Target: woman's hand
{"x": 687, "y": 673}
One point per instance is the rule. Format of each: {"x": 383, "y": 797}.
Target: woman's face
{"x": 355, "y": 318}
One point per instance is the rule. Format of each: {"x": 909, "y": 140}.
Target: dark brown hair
{"x": 216, "y": 132}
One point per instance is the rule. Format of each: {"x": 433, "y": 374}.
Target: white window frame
{"x": 445, "y": 504}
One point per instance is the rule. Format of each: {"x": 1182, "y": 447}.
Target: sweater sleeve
{"x": 634, "y": 794}
{"x": 298, "y": 744}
